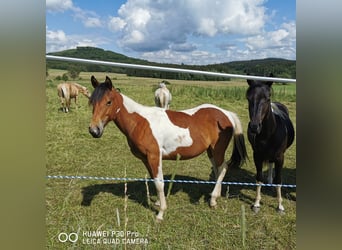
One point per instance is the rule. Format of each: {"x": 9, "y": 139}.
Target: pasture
{"x": 125, "y": 211}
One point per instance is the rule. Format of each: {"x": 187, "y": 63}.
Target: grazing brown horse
{"x": 162, "y": 96}
{"x": 154, "y": 134}
{"x": 66, "y": 91}
{"x": 270, "y": 132}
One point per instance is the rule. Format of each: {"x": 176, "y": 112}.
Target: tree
{"x": 74, "y": 72}
{"x": 65, "y": 77}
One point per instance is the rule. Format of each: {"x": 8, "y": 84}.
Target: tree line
{"x": 263, "y": 67}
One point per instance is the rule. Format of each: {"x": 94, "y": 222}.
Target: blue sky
{"x": 180, "y": 31}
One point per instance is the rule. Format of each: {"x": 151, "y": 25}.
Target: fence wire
{"x": 165, "y": 180}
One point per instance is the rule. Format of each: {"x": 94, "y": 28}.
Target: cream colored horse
{"x": 162, "y": 96}
{"x": 66, "y": 91}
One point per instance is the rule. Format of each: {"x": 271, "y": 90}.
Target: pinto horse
{"x": 154, "y": 134}
{"x": 162, "y": 96}
{"x": 270, "y": 132}
{"x": 67, "y": 91}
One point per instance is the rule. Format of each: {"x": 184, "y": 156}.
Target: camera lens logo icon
{"x": 64, "y": 237}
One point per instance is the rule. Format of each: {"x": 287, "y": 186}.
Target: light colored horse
{"x": 66, "y": 91}
{"x": 162, "y": 96}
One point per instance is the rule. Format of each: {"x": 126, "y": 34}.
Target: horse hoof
{"x": 281, "y": 211}
{"x": 159, "y": 219}
{"x": 213, "y": 204}
{"x": 255, "y": 209}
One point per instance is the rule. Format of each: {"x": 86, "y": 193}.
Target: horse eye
{"x": 109, "y": 103}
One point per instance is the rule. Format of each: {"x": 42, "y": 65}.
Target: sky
{"x": 196, "y": 32}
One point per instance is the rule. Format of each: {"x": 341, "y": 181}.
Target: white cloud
{"x": 58, "y": 5}
{"x": 207, "y": 27}
{"x": 57, "y": 36}
{"x": 164, "y": 23}
{"x": 280, "y": 43}
{"x": 283, "y": 37}
{"x": 116, "y": 24}
{"x": 88, "y": 18}
{"x": 57, "y": 40}
{"x": 187, "y": 31}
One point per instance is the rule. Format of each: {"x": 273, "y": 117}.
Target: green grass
{"x": 189, "y": 222}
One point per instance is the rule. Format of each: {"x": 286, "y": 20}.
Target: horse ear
{"x": 250, "y": 82}
{"x": 94, "y": 82}
{"x": 269, "y": 83}
{"x": 108, "y": 83}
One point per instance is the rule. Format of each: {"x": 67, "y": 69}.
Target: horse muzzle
{"x": 96, "y": 132}
{"x": 254, "y": 128}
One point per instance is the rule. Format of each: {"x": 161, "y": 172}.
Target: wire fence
{"x": 74, "y": 177}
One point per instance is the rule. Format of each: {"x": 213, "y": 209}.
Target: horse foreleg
{"x": 259, "y": 177}
{"x": 156, "y": 164}
{"x": 270, "y": 173}
{"x": 280, "y": 207}
{"x": 159, "y": 183}
{"x": 63, "y": 104}
{"x": 67, "y": 101}
{"x": 76, "y": 102}
{"x": 218, "y": 186}
{"x": 277, "y": 180}
{"x": 256, "y": 205}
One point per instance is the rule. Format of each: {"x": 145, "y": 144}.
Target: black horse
{"x": 270, "y": 132}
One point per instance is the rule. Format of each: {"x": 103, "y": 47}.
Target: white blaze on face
{"x": 169, "y": 136}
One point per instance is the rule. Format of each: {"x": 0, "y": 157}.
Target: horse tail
{"x": 290, "y": 132}
{"x": 162, "y": 99}
{"x": 239, "y": 154}
{"x": 66, "y": 95}
{"x": 65, "y": 92}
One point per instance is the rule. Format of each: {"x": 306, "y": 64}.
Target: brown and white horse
{"x": 162, "y": 96}
{"x": 66, "y": 91}
{"x": 154, "y": 134}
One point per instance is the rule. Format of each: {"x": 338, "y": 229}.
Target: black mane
{"x": 98, "y": 93}
{"x": 261, "y": 87}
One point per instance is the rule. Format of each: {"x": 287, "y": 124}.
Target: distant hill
{"x": 279, "y": 67}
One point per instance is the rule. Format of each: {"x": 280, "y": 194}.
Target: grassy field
{"x": 124, "y": 211}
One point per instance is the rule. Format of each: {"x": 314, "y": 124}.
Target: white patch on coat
{"x": 231, "y": 116}
{"x": 277, "y": 111}
{"x": 169, "y": 136}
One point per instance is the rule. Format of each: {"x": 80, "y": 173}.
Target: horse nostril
{"x": 254, "y": 127}
{"x": 95, "y": 132}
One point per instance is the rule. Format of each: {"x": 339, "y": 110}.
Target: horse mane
{"x": 79, "y": 86}
{"x": 99, "y": 92}
{"x": 260, "y": 84}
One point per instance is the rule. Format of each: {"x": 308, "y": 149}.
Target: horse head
{"x": 259, "y": 103}
{"x": 105, "y": 104}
